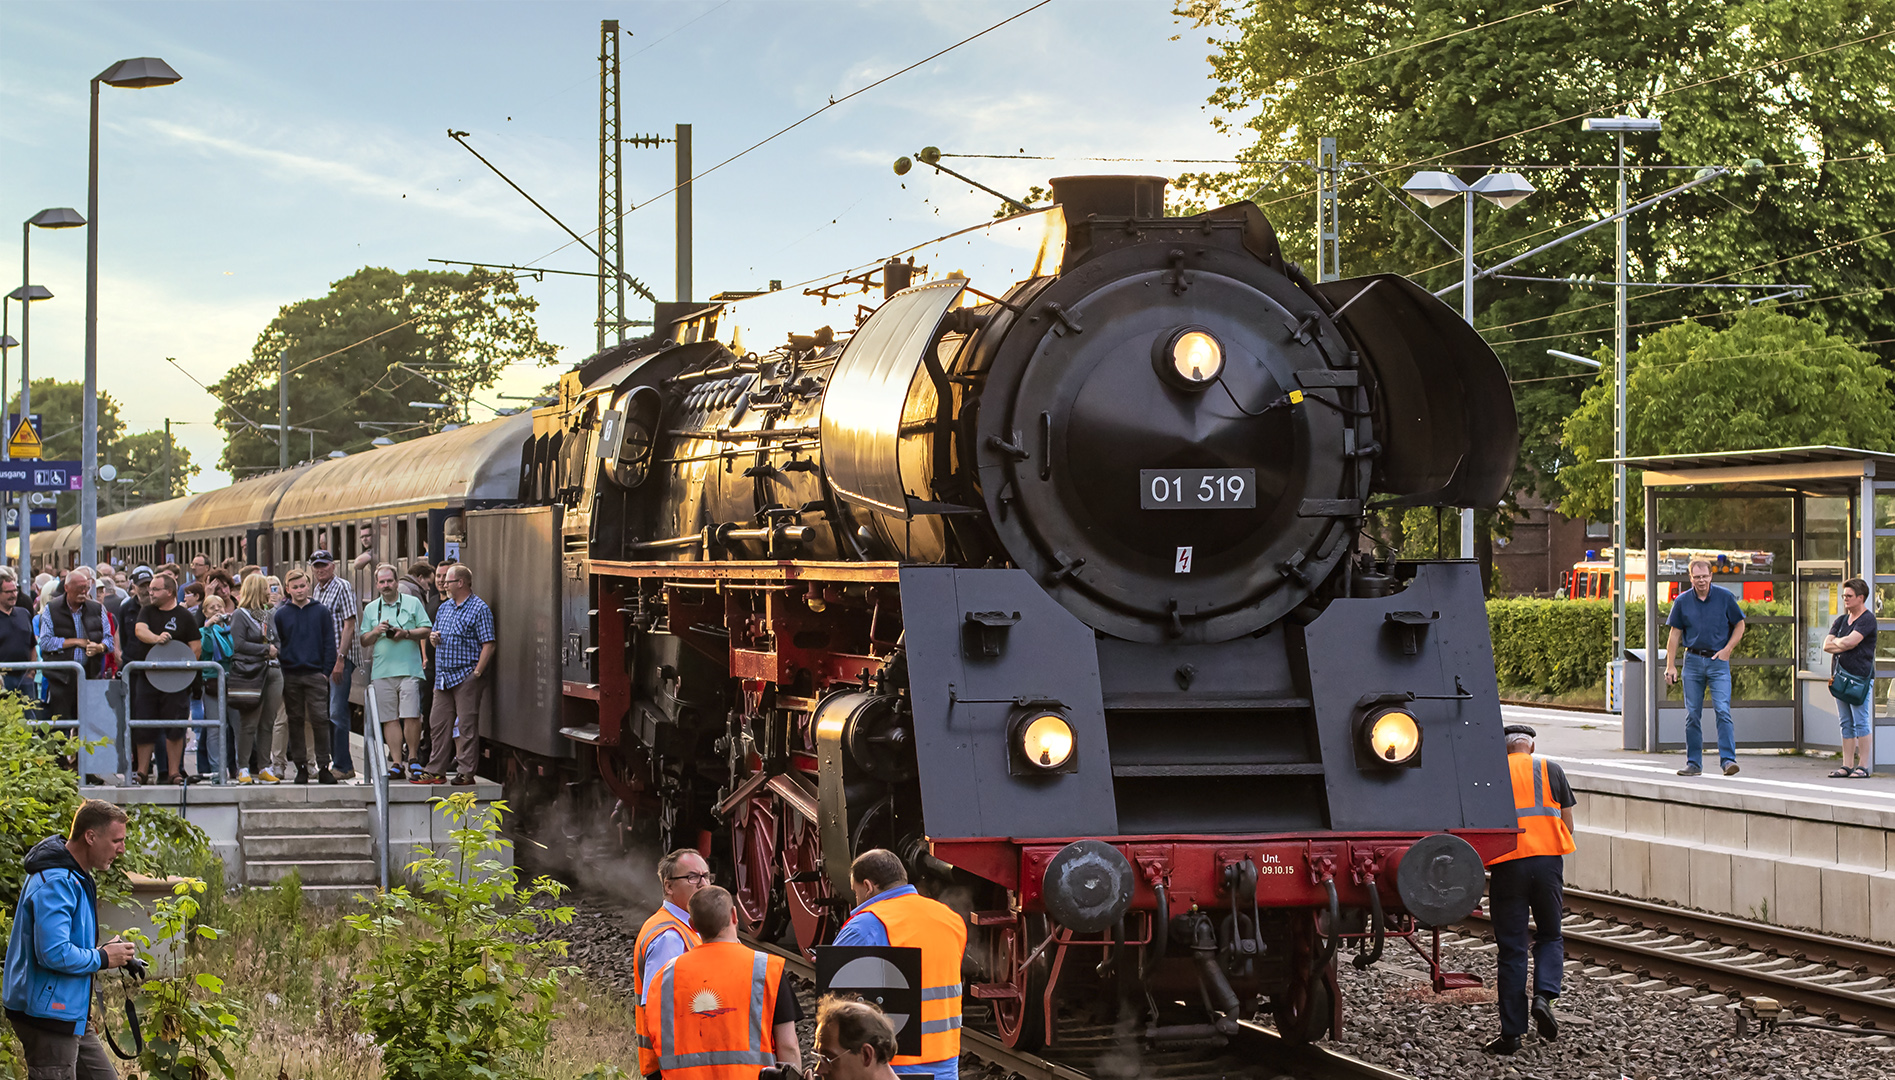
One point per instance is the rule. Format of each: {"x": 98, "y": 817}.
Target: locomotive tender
{"x": 1059, "y": 591}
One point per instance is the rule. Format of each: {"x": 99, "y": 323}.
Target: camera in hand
{"x": 780, "y": 1071}
{"x": 137, "y": 969}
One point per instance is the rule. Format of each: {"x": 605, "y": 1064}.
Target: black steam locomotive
{"x": 1059, "y": 591}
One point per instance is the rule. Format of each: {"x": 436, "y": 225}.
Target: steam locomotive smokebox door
{"x": 887, "y": 977}
{"x": 1009, "y": 718}
{"x": 1429, "y": 640}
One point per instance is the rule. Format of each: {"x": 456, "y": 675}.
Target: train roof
{"x": 155, "y": 521}
{"x": 248, "y": 504}
{"x": 477, "y": 463}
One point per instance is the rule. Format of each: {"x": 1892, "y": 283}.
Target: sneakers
{"x": 1691, "y": 770}
{"x": 324, "y": 776}
{"x": 1730, "y": 768}
{"x": 243, "y": 777}
{"x": 345, "y": 774}
{"x": 463, "y": 779}
{"x": 430, "y": 778}
{"x": 1544, "y": 1018}
{"x": 268, "y": 777}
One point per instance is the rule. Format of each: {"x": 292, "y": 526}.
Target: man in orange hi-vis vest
{"x": 890, "y": 912}
{"x": 665, "y": 936}
{"x": 723, "y": 1011}
{"x": 1531, "y": 879}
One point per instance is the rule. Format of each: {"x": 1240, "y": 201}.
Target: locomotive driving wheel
{"x": 753, "y": 845}
{"x": 1019, "y": 983}
{"x": 1305, "y": 1010}
{"x": 806, "y": 889}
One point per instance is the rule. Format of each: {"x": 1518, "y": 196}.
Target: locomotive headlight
{"x": 1046, "y": 741}
{"x": 1393, "y": 737}
{"x": 1192, "y": 359}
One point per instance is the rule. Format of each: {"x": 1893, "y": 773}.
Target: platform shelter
{"x": 1783, "y": 529}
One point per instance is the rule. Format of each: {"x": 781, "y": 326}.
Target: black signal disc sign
{"x": 885, "y": 976}
{"x": 1197, "y": 489}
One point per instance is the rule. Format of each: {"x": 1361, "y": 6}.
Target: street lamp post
{"x": 1432, "y": 188}
{"x": 132, "y": 74}
{"x": 59, "y": 217}
{"x": 1619, "y": 126}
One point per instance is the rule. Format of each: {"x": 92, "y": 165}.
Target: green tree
{"x": 354, "y": 355}
{"x": 1464, "y": 86}
{"x": 138, "y": 456}
{"x": 1767, "y": 380}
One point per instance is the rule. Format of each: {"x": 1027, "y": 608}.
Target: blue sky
{"x": 308, "y": 140}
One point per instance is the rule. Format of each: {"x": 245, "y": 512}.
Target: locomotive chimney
{"x": 1110, "y": 196}
{"x": 1082, "y": 198}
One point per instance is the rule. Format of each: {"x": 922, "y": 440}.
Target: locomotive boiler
{"x": 1059, "y": 591}
{"x": 1057, "y": 587}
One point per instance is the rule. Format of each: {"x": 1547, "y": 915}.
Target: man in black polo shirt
{"x": 18, "y": 643}
{"x": 162, "y": 620}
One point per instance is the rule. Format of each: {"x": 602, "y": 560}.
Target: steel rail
{"x": 1835, "y": 978}
{"x": 1272, "y": 1054}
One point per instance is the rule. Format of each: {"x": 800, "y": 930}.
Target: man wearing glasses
{"x": 854, "y": 1041}
{"x": 665, "y": 936}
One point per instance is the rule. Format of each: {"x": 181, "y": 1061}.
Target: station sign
{"x": 43, "y": 520}
{"x": 24, "y": 442}
{"x": 41, "y": 476}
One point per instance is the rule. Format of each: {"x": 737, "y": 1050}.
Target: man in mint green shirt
{"x": 396, "y": 624}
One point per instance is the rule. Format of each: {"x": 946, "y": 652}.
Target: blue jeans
{"x": 339, "y": 718}
{"x": 1701, "y": 672}
{"x": 1536, "y": 885}
{"x": 1855, "y": 718}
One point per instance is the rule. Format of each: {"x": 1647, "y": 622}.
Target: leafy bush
{"x": 457, "y": 990}
{"x": 1557, "y": 646}
{"x": 189, "y": 1020}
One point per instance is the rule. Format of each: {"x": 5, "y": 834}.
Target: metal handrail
{"x": 377, "y": 753}
{"x": 215, "y": 727}
{"x": 79, "y": 671}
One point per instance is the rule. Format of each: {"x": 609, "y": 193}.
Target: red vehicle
{"x": 1744, "y": 572}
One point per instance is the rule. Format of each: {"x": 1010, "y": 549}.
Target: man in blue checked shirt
{"x": 463, "y": 640}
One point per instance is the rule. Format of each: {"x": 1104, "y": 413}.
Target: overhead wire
{"x": 833, "y": 102}
{"x": 1543, "y": 10}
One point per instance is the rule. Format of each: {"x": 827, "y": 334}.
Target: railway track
{"x": 1842, "y": 981}
{"x": 1093, "y": 1052}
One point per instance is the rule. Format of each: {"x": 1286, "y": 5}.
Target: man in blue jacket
{"x": 51, "y": 956}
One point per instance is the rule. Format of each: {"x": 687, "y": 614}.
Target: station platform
{"x": 1780, "y": 842}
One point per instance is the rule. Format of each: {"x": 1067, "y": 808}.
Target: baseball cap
{"x": 321, "y": 557}
{"x": 141, "y": 575}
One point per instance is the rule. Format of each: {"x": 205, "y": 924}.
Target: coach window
{"x": 349, "y": 535}
{"x": 401, "y": 538}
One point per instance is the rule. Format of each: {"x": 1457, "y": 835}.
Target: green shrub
{"x": 189, "y": 1022}
{"x": 458, "y": 988}
{"x": 1557, "y": 646}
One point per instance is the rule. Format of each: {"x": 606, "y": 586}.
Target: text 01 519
{"x": 1197, "y": 489}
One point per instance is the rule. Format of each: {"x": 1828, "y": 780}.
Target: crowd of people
{"x": 289, "y": 648}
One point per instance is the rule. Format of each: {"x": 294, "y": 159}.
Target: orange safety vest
{"x": 716, "y": 1010}
{"x": 660, "y": 921}
{"x": 915, "y": 922}
{"x": 1543, "y": 831}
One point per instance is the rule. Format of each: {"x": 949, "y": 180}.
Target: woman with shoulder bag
{"x": 1851, "y": 642}
{"x": 255, "y": 683}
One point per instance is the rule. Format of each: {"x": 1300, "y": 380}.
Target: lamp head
{"x": 1622, "y": 125}
{"x": 1433, "y": 187}
{"x": 1504, "y": 190}
{"x": 31, "y": 292}
{"x": 59, "y": 217}
{"x": 139, "y": 73}
{"x": 7, "y": 341}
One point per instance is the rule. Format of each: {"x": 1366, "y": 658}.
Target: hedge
{"x": 1557, "y": 646}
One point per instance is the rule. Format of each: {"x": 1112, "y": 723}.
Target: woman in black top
{"x": 1851, "y": 641}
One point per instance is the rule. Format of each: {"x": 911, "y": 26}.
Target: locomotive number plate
{"x": 1197, "y": 489}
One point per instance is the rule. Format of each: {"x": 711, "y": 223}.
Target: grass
{"x": 1591, "y": 696}
{"x": 293, "y": 968}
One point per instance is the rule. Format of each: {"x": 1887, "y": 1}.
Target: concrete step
{"x": 269, "y": 847}
{"x": 348, "y": 872}
{"x": 328, "y": 895}
{"x": 304, "y": 821}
